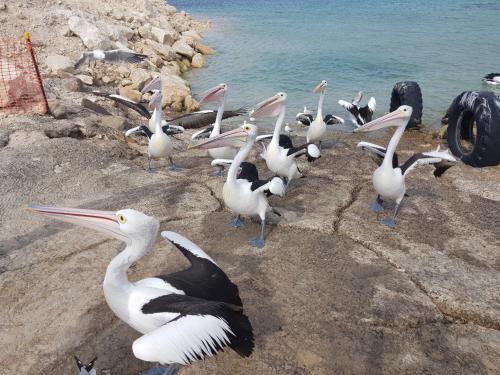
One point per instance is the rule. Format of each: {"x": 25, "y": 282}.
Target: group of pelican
{"x": 195, "y": 313}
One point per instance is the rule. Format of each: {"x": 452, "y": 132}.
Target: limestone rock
{"x": 192, "y": 34}
{"x": 165, "y": 51}
{"x": 72, "y": 84}
{"x": 164, "y": 35}
{"x": 124, "y": 71}
{"x": 145, "y": 31}
{"x": 57, "y": 108}
{"x": 183, "y": 49}
{"x": 171, "y": 67}
{"x": 190, "y": 104}
{"x": 87, "y": 80}
{"x": 115, "y": 122}
{"x": 91, "y": 36}
{"x": 175, "y": 89}
{"x": 198, "y": 61}
{"x": 206, "y": 50}
{"x": 106, "y": 79}
{"x": 119, "y": 32}
{"x": 25, "y": 138}
{"x": 59, "y": 62}
{"x": 139, "y": 77}
{"x": 130, "y": 93}
{"x": 3, "y": 6}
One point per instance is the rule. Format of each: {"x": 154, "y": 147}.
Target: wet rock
{"x": 202, "y": 48}
{"x": 56, "y": 63}
{"x": 182, "y": 48}
{"x": 198, "y": 61}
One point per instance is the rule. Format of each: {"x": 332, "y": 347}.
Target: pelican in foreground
{"x": 160, "y": 145}
{"x": 280, "y": 154}
{"x": 492, "y": 79}
{"x": 359, "y": 115}
{"x": 318, "y": 127}
{"x": 389, "y": 178}
{"x": 184, "y": 316}
{"x": 245, "y": 193}
{"x": 216, "y": 94}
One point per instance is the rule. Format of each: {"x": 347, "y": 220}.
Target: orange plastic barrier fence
{"x": 21, "y": 89}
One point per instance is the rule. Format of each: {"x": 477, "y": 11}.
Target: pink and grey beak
{"x": 213, "y": 94}
{"x": 102, "y": 221}
{"x": 233, "y": 138}
{"x": 397, "y": 118}
{"x": 321, "y": 87}
{"x": 270, "y": 107}
{"x": 153, "y": 85}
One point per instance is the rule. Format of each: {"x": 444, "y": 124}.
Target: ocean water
{"x": 263, "y": 47}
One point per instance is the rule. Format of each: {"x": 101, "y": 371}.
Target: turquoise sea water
{"x": 284, "y": 45}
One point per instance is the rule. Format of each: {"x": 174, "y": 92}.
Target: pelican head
{"x": 270, "y": 107}
{"x": 86, "y": 369}
{"x": 126, "y": 225}
{"x": 397, "y": 118}
{"x": 321, "y": 87}
{"x": 234, "y": 138}
{"x": 153, "y": 85}
{"x": 214, "y": 94}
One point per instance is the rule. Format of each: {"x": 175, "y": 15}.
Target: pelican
{"x": 217, "y": 94}
{"x": 359, "y": 115}
{"x": 280, "y": 154}
{"x": 245, "y": 194}
{"x": 159, "y": 145}
{"x": 86, "y": 369}
{"x": 318, "y": 127}
{"x": 184, "y": 316}
{"x": 389, "y": 178}
{"x": 492, "y": 79}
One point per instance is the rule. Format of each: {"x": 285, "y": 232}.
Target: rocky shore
{"x": 333, "y": 292}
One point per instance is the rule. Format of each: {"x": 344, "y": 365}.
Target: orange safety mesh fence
{"x": 21, "y": 89}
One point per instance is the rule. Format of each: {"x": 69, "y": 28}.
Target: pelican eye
{"x": 122, "y": 219}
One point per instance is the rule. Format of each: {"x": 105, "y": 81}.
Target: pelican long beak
{"x": 153, "y": 85}
{"x": 102, "y": 221}
{"x": 270, "y": 107}
{"x": 213, "y": 94}
{"x": 321, "y": 87}
{"x": 397, "y": 118}
{"x": 233, "y": 138}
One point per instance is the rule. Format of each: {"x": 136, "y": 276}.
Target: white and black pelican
{"x": 359, "y": 115}
{"x": 244, "y": 193}
{"x": 318, "y": 127}
{"x": 116, "y": 56}
{"x": 492, "y": 79}
{"x": 216, "y": 94}
{"x": 86, "y": 369}
{"x": 389, "y": 178}
{"x": 160, "y": 145}
{"x": 184, "y": 316}
{"x": 280, "y": 153}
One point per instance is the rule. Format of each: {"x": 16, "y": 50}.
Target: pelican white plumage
{"x": 318, "y": 127}
{"x": 217, "y": 94}
{"x": 244, "y": 193}
{"x": 389, "y": 178}
{"x": 184, "y": 316}
{"x": 359, "y": 115}
{"x": 280, "y": 154}
{"x": 160, "y": 145}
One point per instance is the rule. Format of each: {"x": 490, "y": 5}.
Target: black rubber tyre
{"x": 475, "y": 117}
{"x": 408, "y": 93}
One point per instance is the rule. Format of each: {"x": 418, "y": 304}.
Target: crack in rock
{"x": 339, "y": 213}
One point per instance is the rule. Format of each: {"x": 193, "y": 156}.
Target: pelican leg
{"x": 173, "y": 167}
{"x": 219, "y": 172}
{"x": 161, "y": 370}
{"x": 390, "y": 222}
{"x": 236, "y": 222}
{"x": 377, "y": 205}
{"x": 259, "y": 242}
{"x": 319, "y": 145}
{"x": 149, "y": 165}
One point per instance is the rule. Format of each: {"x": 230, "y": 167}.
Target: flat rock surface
{"x": 333, "y": 291}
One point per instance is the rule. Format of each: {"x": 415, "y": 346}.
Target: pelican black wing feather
{"x": 249, "y": 172}
{"x": 304, "y": 119}
{"x": 491, "y": 75}
{"x": 204, "y": 279}
{"x": 366, "y": 113}
{"x": 285, "y": 141}
{"x": 138, "y": 107}
{"x": 240, "y": 340}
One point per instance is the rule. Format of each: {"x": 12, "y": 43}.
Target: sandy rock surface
{"x": 333, "y": 292}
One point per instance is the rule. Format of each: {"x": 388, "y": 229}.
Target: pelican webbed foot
{"x": 389, "y": 222}
{"x": 258, "y": 243}
{"x": 173, "y": 167}
{"x": 219, "y": 172}
{"x": 377, "y": 205}
{"x": 161, "y": 370}
{"x": 236, "y": 222}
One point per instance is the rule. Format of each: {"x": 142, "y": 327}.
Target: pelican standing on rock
{"x": 217, "y": 94}
{"x": 245, "y": 194}
{"x": 184, "y": 316}
{"x": 318, "y": 127}
{"x": 389, "y": 178}
{"x": 280, "y": 154}
{"x": 160, "y": 145}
